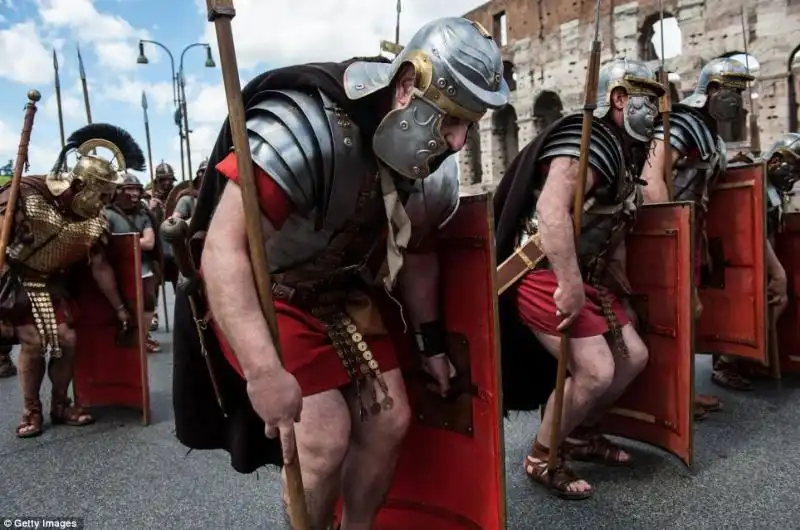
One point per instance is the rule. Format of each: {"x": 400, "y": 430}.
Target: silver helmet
{"x": 642, "y": 87}
{"x": 783, "y": 162}
{"x": 731, "y": 77}
{"x": 459, "y": 73}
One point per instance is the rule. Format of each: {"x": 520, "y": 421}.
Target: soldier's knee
{"x": 324, "y": 454}
{"x": 597, "y": 377}
{"x": 397, "y": 422}
{"x": 638, "y": 356}
{"x": 67, "y": 337}
{"x": 29, "y": 339}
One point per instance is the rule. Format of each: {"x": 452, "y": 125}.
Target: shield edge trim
{"x": 493, "y": 284}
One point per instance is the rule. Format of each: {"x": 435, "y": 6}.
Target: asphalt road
{"x": 118, "y": 474}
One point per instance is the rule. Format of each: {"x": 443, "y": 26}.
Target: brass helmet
{"x": 164, "y": 171}
{"x": 99, "y": 177}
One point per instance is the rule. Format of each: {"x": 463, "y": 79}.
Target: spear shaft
{"x": 85, "y": 88}
{"x": 58, "y": 99}
{"x": 666, "y": 109}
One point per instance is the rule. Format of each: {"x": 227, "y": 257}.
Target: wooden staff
{"x": 22, "y": 161}
{"x": 589, "y": 105}
{"x": 755, "y": 134}
{"x": 666, "y": 107}
{"x": 221, "y": 12}
{"x": 57, "y": 81}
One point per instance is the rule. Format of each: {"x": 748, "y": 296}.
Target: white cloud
{"x": 126, "y": 89}
{"x": 40, "y": 156}
{"x": 71, "y": 105}
{"x": 114, "y": 39}
{"x": 301, "y": 31}
{"x": 24, "y": 57}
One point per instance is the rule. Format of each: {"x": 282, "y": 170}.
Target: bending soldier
{"x": 783, "y": 171}
{"x": 580, "y": 289}
{"x": 699, "y": 157}
{"x": 58, "y": 222}
{"x": 353, "y": 162}
{"x": 127, "y": 214}
{"x": 188, "y": 199}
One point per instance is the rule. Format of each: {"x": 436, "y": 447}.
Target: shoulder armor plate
{"x": 435, "y": 199}
{"x": 290, "y": 140}
{"x": 688, "y": 130}
{"x": 606, "y": 154}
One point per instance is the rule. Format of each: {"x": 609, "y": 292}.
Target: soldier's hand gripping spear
{"x": 22, "y": 162}
{"x": 221, "y": 12}
{"x": 589, "y": 104}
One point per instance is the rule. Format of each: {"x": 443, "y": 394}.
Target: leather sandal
{"x": 31, "y": 424}
{"x": 596, "y": 449}
{"x": 64, "y": 413}
{"x": 562, "y": 477}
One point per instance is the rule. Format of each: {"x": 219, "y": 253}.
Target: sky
{"x": 268, "y": 34}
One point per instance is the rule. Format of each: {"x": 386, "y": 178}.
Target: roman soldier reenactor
{"x": 580, "y": 288}
{"x": 184, "y": 207}
{"x": 355, "y": 169}
{"x": 163, "y": 186}
{"x": 59, "y": 224}
{"x": 128, "y": 214}
{"x": 700, "y": 157}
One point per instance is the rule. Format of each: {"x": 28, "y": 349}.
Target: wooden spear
{"x": 221, "y": 12}
{"x": 22, "y": 161}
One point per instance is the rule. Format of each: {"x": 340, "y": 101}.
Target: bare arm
{"x": 774, "y": 267}
{"x": 554, "y": 211}
{"x": 106, "y": 280}
{"x": 653, "y": 173}
{"x": 419, "y": 284}
{"x": 231, "y": 288}
{"x": 148, "y": 239}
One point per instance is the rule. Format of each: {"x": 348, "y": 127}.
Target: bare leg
{"x": 626, "y": 369}
{"x": 591, "y": 371}
{"x": 322, "y": 439}
{"x": 369, "y": 466}
{"x": 31, "y": 374}
{"x": 61, "y": 371}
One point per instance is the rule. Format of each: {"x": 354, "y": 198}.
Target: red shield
{"x": 657, "y": 407}
{"x": 174, "y": 195}
{"x": 451, "y": 473}
{"x": 787, "y": 248}
{"x": 733, "y": 290}
{"x": 108, "y": 374}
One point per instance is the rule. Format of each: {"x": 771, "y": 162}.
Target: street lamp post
{"x": 182, "y": 87}
{"x": 178, "y": 92}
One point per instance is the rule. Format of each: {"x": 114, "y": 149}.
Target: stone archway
{"x": 546, "y": 109}
{"x": 505, "y": 140}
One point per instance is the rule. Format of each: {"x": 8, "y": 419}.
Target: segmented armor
{"x": 702, "y": 155}
{"x": 609, "y": 208}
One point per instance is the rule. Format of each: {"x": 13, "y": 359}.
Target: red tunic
{"x": 306, "y": 349}
{"x": 537, "y": 310}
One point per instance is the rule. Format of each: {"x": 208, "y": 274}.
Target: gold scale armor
{"x": 59, "y": 240}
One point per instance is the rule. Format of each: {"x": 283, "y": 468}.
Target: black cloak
{"x": 199, "y": 423}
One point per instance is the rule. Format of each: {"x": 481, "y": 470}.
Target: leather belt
{"x": 525, "y": 259}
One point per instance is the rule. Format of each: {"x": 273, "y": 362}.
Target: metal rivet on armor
{"x": 441, "y": 82}
{"x": 451, "y": 90}
{"x": 367, "y": 355}
{"x": 404, "y": 125}
{"x": 360, "y": 86}
{"x": 497, "y": 77}
{"x": 348, "y": 142}
{"x": 351, "y": 328}
{"x": 416, "y": 170}
{"x": 432, "y": 144}
{"x": 357, "y": 337}
{"x": 373, "y": 364}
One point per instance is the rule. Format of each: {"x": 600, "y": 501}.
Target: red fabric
{"x": 537, "y": 310}
{"x": 272, "y": 199}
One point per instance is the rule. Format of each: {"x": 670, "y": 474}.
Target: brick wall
{"x": 548, "y": 43}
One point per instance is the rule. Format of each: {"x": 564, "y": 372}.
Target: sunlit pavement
{"x": 118, "y": 474}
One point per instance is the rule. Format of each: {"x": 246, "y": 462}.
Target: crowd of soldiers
{"x": 358, "y": 198}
